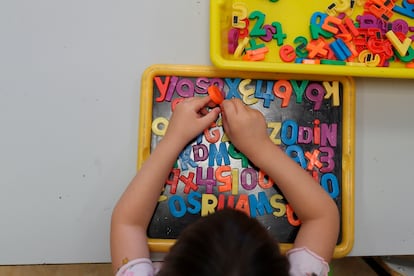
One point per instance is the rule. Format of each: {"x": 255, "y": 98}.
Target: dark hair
{"x": 227, "y": 242}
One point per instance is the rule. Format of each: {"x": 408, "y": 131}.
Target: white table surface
{"x": 69, "y": 102}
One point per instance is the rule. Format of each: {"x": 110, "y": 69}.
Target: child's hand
{"x": 189, "y": 119}
{"x": 245, "y": 127}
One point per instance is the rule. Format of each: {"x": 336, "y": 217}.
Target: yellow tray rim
{"x": 348, "y": 137}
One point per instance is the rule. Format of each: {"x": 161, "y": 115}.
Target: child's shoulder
{"x": 305, "y": 262}
{"x": 138, "y": 267}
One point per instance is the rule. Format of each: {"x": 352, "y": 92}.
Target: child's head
{"x": 227, "y": 242}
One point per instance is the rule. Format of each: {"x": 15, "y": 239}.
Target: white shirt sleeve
{"x": 305, "y": 262}
{"x": 138, "y": 267}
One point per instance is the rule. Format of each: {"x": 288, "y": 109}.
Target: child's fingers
{"x": 232, "y": 108}
{"x": 203, "y": 111}
{"x": 210, "y": 117}
{"x": 229, "y": 111}
{"x": 228, "y": 106}
{"x": 200, "y": 102}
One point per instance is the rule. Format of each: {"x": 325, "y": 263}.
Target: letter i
{"x": 316, "y": 132}
{"x": 234, "y": 181}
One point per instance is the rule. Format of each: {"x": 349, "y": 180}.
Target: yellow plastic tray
{"x": 150, "y": 108}
{"x": 294, "y": 17}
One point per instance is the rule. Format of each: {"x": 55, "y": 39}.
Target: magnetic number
{"x": 258, "y": 26}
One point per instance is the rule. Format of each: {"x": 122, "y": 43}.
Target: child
{"x": 226, "y": 242}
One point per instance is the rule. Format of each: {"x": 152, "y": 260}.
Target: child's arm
{"x": 133, "y": 211}
{"x": 247, "y": 130}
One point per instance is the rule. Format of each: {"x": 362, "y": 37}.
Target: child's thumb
{"x": 211, "y": 116}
